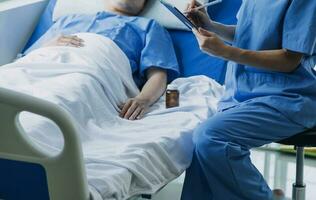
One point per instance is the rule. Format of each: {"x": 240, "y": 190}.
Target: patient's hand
{"x": 134, "y": 108}
{"x": 66, "y": 40}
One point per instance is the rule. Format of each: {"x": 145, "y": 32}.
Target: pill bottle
{"x": 172, "y": 96}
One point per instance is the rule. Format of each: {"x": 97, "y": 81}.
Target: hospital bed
{"x": 27, "y": 173}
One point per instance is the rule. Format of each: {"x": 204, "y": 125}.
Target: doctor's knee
{"x": 206, "y": 135}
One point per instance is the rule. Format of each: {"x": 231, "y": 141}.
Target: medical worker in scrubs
{"x": 270, "y": 94}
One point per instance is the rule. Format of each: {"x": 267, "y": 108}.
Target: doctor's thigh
{"x": 221, "y": 168}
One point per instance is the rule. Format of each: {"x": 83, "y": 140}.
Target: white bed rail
{"x": 65, "y": 172}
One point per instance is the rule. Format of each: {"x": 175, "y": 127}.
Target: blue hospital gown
{"x": 268, "y": 25}
{"x": 144, "y": 41}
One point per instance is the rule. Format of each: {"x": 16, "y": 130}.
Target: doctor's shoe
{"x": 278, "y": 194}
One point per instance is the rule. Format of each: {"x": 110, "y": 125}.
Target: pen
{"x": 205, "y": 5}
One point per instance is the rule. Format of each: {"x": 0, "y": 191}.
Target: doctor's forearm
{"x": 275, "y": 60}
{"x": 226, "y": 32}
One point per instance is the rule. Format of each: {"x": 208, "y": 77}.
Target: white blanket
{"x": 122, "y": 158}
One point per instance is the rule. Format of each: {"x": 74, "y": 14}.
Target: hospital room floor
{"x": 278, "y": 169}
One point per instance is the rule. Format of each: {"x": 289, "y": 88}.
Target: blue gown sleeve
{"x": 158, "y": 51}
{"x": 299, "y": 31}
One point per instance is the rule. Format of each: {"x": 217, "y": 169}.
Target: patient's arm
{"x": 135, "y": 108}
{"x": 66, "y": 40}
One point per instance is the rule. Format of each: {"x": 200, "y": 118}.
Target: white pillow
{"x": 67, "y": 7}
{"x": 153, "y": 10}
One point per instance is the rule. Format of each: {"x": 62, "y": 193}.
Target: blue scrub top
{"x": 145, "y": 42}
{"x": 269, "y": 25}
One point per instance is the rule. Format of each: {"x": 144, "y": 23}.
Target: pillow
{"x": 153, "y": 10}
{"x": 44, "y": 23}
{"x": 67, "y": 7}
{"x": 194, "y": 62}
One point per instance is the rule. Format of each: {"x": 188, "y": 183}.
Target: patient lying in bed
{"x": 115, "y": 56}
{"x": 147, "y": 46}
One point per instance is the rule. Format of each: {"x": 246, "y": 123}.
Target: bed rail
{"x": 65, "y": 172}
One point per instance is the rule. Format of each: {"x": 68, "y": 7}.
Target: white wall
{"x": 17, "y": 21}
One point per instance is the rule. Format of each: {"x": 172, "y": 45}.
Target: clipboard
{"x": 176, "y": 12}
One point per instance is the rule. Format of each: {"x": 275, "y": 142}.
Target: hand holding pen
{"x": 199, "y": 6}
{"x": 209, "y": 41}
{"x": 199, "y": 17}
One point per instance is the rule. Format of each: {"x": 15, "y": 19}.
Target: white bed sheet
{"x": 122, "y": 158}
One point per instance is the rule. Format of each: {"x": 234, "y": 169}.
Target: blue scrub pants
{"x": 221, "y": 168}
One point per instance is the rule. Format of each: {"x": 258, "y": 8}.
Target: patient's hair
{"x": 129, "y": 7}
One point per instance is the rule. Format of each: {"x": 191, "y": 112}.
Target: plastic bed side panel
{"x": 65, "y": 172}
